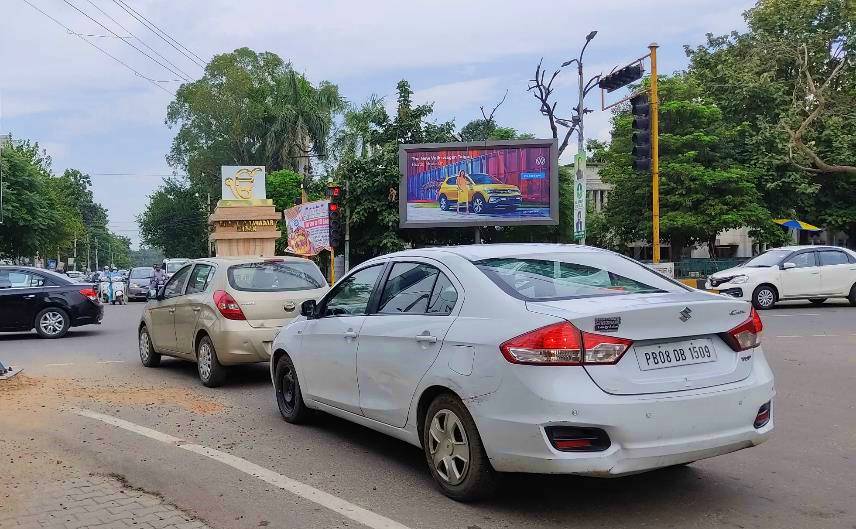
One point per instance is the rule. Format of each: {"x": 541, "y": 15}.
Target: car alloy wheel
{"x": 204, "y": 360}
{"x": 52, "y": 323}
{"x": 444, "y": 203}
{"x": 449, "y": 447}
{"x": 478, "y": 205}
{"x": 145, "y": 346}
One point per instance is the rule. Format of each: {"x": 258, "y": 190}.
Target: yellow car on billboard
{"x": 478, "y": 194}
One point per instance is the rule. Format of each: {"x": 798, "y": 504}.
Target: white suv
{"x": 815, "y": 273}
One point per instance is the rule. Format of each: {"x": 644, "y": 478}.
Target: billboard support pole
{"x": 655, "y": 156}
{"x": 478, "y": 239}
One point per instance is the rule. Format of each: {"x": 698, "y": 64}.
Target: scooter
{"x": 117, "y": 285}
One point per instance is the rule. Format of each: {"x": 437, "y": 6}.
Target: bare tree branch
{"x": 492, "y": 112}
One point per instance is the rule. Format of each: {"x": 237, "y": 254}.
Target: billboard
{"x": 242, "y": 182}
{"x": 486, "y": 183}
{"x": 308, "y": 228}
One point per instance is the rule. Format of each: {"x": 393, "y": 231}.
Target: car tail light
{"x": 746, "y": 335}
{"x": 763, "y": 416}
{"x": 227, "y": 306}
{"x": 91, "y": 294}
{"x": 563, "y": 344}
{"x": 577, "y": 439}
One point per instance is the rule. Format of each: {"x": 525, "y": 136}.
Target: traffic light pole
{"x": 332, "y": 266}
{"x": 655, "y": 155}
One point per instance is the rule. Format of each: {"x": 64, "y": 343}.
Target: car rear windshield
{"x": 276, "y": 276}
{"x": 142, "y": 273}
{"x": 546, "y": 277}
{"x": 174, "y": 266}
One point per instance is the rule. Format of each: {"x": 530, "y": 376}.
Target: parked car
{"x": 220, "y": 312}
{"x": 139, "y": 281}
{"x": 171, "y": 266}
{"x": 529, "y": 358}
{"x": 815, "y": 273}
{"x": 50, "y": 303}
{"x": 485, "y": 193}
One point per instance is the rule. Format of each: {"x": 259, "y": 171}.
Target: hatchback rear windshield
{"x": 275, "y": 276}
{"x": 142, "y": 273}
{"x": 546, "y": 277}
{"x": 174, "y": 266}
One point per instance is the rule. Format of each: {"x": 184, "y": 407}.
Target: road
{"x": 223, "y": 458}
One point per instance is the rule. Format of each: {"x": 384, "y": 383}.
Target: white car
{"x": 529, "y": 358}
{"x": 815, "y": 273}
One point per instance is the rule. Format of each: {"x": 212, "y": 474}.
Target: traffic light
{"x": 622, "y": 77}
{"x": 334, "y": 214}
{"x": 641, "y": 110}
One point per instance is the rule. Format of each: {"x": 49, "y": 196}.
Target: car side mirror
{"x": 307, "y": 308}
{"x": 788, "y": 266}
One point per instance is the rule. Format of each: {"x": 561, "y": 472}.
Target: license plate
{"x": 675, "y": 354}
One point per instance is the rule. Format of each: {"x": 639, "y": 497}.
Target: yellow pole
{"x": 655, "y": 153}
{"x": 332, "y": 266}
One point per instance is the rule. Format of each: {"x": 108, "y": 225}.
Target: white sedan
{"x": 529, "y": 358}
{"x": 815, "y": 273}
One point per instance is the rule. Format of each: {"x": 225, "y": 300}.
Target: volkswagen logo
{"x": 540, "y": 160}
{"x": 685, "y": 314}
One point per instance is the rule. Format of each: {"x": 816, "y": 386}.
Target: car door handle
{"x": 196, "y": 309}
{"x": 31, "y": 296}
{"x": 350, "y": 334}
{"x": 426, "y": 338}
{"x": 171, "y": 311}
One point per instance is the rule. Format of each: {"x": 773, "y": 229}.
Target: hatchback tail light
{"x": 746, "y": 335}
{"x": 227, "y": 306}
{"x": 763, "y": 416}
{"x": 91, "y": 294}
{"x": 562, "y": 344}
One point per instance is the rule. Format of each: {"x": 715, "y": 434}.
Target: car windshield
{"x": 174, "y": 266}
{"x": 483, "y": 179}
{"x": 768, "y": 259}
{"x": 546, "y": 277}
{"x": 142, "y": 273}
{"x": 276, "y": 276}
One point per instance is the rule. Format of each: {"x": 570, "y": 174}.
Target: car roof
{"x": 251, "y": 259}
{"x": 475, "y": 252}
{"x": 796, "y": 247}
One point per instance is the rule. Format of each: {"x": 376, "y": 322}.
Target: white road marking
{"x": 801, "y": 314}
{"x": 110, "y": 362}
{"x": 59, "y": 365}
{"x": 790, "y": 336}
{"x": 308, "y": 492}
{"x": 824, "y": 335}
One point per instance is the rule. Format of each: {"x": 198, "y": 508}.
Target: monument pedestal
{"x": 245, "y": 228}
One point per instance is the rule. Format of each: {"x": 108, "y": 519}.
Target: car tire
{"x": 852, "y": 297}
{"x": 449, "y": 436}
{"x": 478, "y": 205}
{"x": 444, "y": 203}
{"x": 764, "y": 297}
{"x": 289, "y": 398}
{"x": 52, "y": 322}
{"x": 211, "y": 372}
{"x": 148, "y": 356}
{"x": 817, "y": 301}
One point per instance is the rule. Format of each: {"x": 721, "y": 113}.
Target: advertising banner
{"x": 243, "y": 182}
{"x": 580, "y": 196}
{"x": 308, "y": 228}
{"x": 493, "y": 183}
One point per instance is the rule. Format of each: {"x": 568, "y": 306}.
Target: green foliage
{"x": 283, "y": 187}
{"x": 174, "y": 221}
{"x": 483, "y": 129}
{"x": 146, "y": 256}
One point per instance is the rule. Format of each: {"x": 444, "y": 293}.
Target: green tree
{"x": 174, "y": 221}
{"x": 283, "y": 187}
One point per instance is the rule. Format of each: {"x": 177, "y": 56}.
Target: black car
{"x": 51, "y": 303}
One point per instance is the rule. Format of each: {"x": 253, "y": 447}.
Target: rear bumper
{"x": 646, "y": 431}
{"x": 88, "y": 314}
{"x": 239, "y": 343}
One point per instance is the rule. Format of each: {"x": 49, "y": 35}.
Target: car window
{"x": 175, "y": 286}
{"x": 276, "y": 276}
{"x": 408, "y": 289}
{"x": 572, "y": 275}
{"x": 803, "y": 260}
{"x": 833, "y": 257}
{"x": 443, "y": 297}
{"x": 351, "y": 296}
{"x": 199, "y": 279}
{"x": 21, "y": 279}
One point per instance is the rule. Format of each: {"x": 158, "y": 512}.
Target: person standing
{"x": 463, "y": 192}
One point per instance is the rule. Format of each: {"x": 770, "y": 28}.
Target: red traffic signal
{"x": 333, "y": 207}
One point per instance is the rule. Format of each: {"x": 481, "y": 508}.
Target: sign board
{"x": 243, "y": 182}
{"x": 308, "y": 228}
{"x": 580, "y": 196}
{"x": 486, "y": 183}
{"x": 667, "y": 269}
{"x": 70, "y": 261}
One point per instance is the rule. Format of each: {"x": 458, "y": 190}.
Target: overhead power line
{"x": 171, "y": 70}
{"x": 163, "y": 35}
{"x": 128, "y": 31}
{"x": 102, "y": 50}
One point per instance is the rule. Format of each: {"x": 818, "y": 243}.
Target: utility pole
{"x": 75, "y": 253}
{"x": 655, "y": 155}
{"x": 347, "y": 229}
{"x": 96, "y": 254}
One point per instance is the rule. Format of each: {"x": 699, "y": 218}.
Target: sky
{"x": 91, "y": 113}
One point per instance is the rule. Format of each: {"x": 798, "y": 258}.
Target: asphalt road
{"x": 802, "y": 477}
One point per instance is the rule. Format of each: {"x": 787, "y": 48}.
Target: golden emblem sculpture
{"x": 241, "y": 185}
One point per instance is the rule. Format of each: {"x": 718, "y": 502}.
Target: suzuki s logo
{"x": 685, "y": 314}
